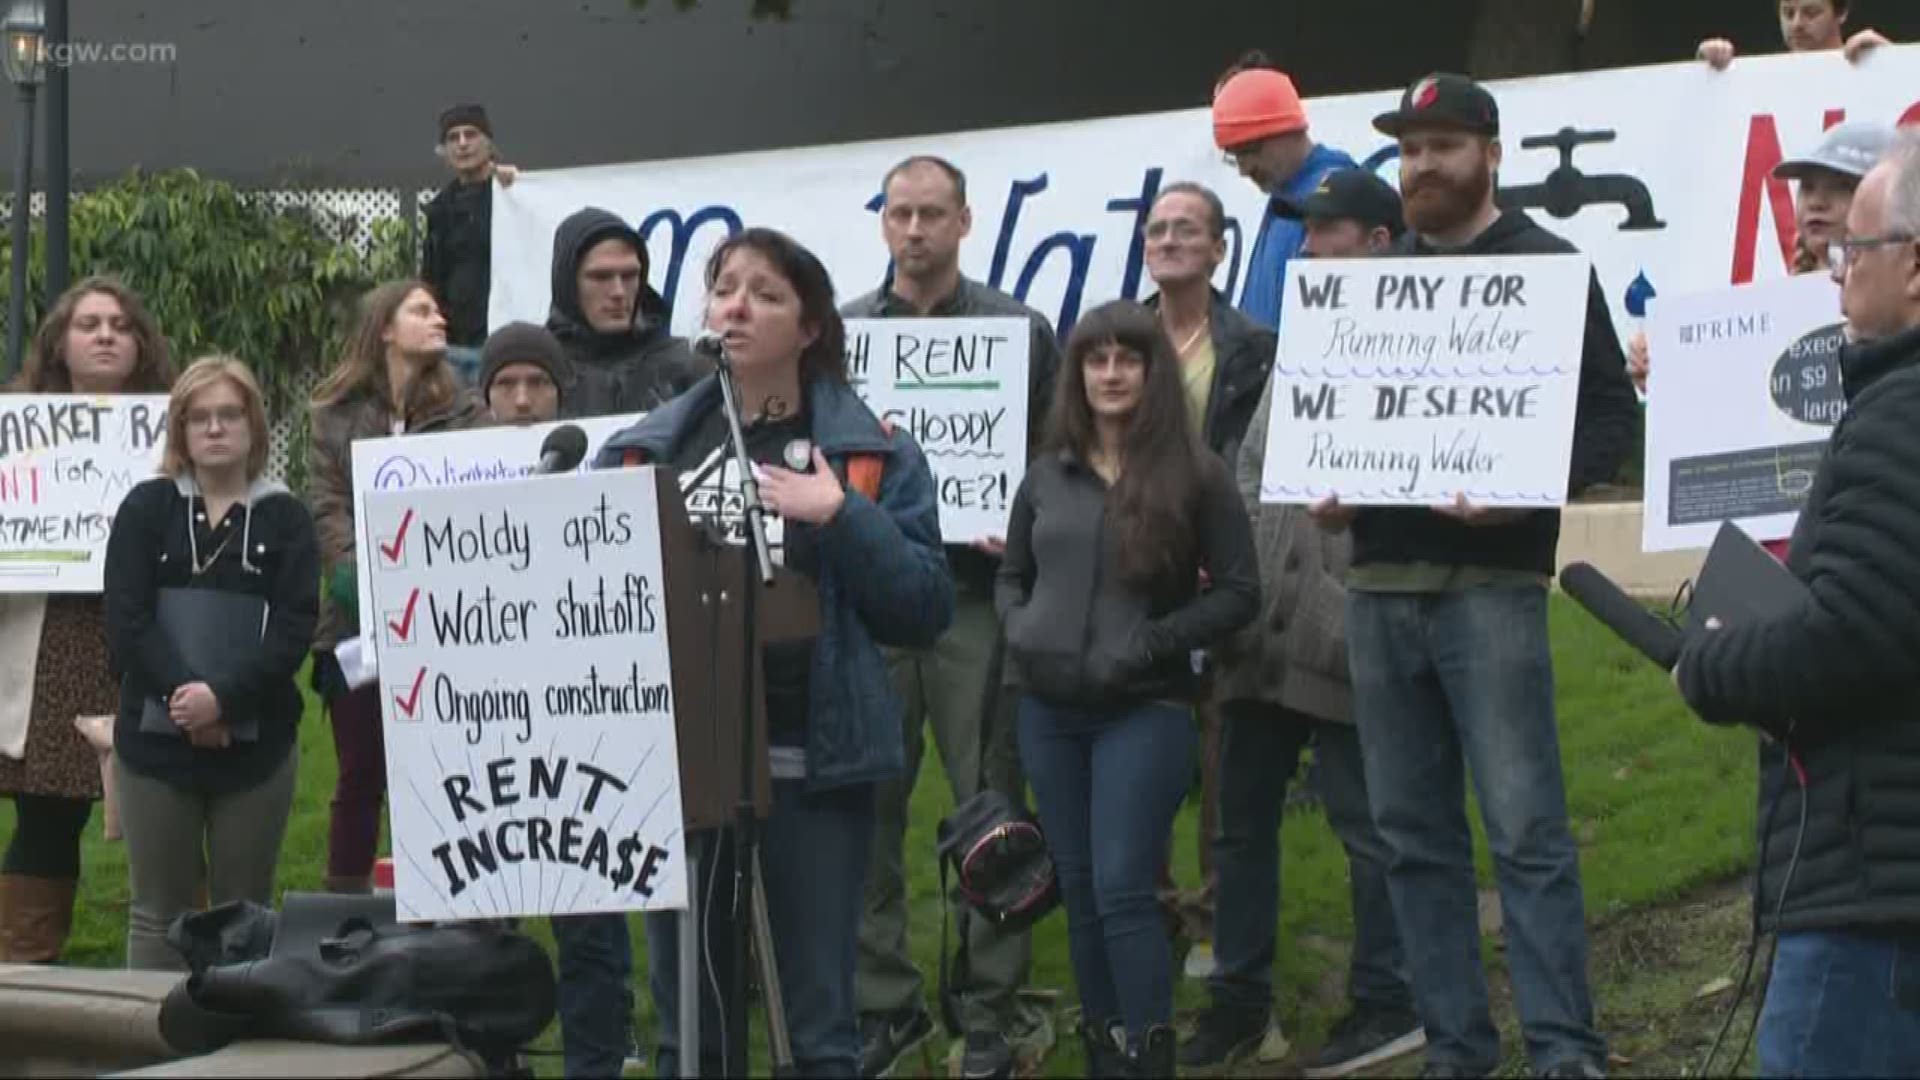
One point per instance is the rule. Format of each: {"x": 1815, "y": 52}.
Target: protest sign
{"x": 959, "y": 387}
{"x": 1742, "y": 392}
{"x": 448, "y": 459}
{"x": 66, "y": 461}
{"x": 1406, "y": 382}
{"x": 527, "y": 690}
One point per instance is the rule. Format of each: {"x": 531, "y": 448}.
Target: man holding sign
{"x": 1448, "y": 647}
{"x": 955, "y": 685}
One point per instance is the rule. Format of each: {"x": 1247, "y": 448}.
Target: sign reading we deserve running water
{"x": 1743, "y": 390}
{"x": 66, "y": 462}
{"x": 449, "y": 459}
{"x": 1407, "y": 382}
{"x": 526, "y": 685}
{"x": 959, "y": 387}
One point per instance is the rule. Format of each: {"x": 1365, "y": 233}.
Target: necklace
{"x": 1192, "y": 339}
{"x": 202, "y": 567}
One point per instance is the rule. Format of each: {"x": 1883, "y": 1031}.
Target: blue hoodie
{"x": 883, "y": 576}
{"x": 1280, "y": 238}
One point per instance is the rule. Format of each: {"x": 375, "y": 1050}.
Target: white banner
{"x": 1668, "y": 178}
{"x": 1408, "y": 382}
{"x": 527, "y": 691}
{"x": 66, "y": 461}
{"x": 1742, "y": 392}
{"x": 449, "y": 459}
{"x": 959, "y": 387}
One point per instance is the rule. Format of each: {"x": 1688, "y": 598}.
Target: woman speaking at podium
{"x": 833, "y": 723}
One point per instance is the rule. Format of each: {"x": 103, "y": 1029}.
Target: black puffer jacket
{"x": 634, "y": 370}
{"x": 1839, "y": 678}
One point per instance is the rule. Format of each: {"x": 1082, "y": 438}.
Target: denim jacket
{"x": 883, "y": 578}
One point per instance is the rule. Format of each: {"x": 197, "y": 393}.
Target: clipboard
{"x": 216, "y": 633}
{"x": 1741, "y": 582}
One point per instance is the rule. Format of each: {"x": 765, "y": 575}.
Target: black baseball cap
{"x": 1443, "y": 100}
{"x": 1350, "y": 194}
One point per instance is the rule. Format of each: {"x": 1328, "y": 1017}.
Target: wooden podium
{"x": 707, "y": 595}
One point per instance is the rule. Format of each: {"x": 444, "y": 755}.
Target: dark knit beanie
{"x": 524, "y": 343}
{"x": 465, "y": 114}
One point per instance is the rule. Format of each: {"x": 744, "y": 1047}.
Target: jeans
{"x": 1260, "y": 750}
{"x": 1842, "y": 1003}
{"x": 954, "y": 689}
{"x": 595, "y": 992}
{"x": 1107, "y": 784}
{"x": 179, "y": 839}
{"x": 814, "y": 860}
{"x": 1444, "y": 682}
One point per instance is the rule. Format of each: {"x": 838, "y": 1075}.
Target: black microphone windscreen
{"x": 1622, "y": 614}
{"x": 567, "y": 444}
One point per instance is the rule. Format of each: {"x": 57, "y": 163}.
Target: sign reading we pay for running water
{"x": 959, "y": 387}
{"x": 527, "y": 691}
{"x": 1409, "y": 382}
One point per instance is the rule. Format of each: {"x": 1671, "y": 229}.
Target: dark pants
{"x": 46, "y": 836}
{"x": 595, "y": 993}
{"x": 1842, "y": 1003}
{"x": 814, "y": 857}
{"x": 1107, "y": 785}
{"x": 1445, "y": 682}
{"x": 1260, "y": 753}
{"x": 353, "y": 833}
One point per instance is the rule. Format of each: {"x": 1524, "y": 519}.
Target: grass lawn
{"x": 1662, "y": 806}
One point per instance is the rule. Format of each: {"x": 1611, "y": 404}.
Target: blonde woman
{"x": 212, "y": 595}
{"x": 98, "y": 339}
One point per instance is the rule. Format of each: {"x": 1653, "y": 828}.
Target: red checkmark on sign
{"x": 404, "y": 628}
{"x": 411, "y": 699}
{"x": 392, "y": 550}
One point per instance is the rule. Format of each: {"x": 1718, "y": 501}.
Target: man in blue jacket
{"x": 1261, "y": 124}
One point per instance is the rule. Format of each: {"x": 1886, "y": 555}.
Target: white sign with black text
{"x": 1410, "y": 382}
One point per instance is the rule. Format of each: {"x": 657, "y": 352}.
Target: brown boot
{"x": 36, "y": 915}
{"x": 350, "y": 884}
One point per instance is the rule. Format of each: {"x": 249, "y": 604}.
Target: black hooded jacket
{"x": 633, "y": 371}
{"x": 457, "y": 259}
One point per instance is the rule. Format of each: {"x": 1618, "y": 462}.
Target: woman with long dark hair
{"x": 870, "y": 544}
{"x": 392, "y": 380}
{"x": 98, "y": 339}
{"x": 1127, "y": 549}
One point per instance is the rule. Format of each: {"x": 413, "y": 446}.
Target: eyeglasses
{"x": 1843, "y": 253}
{"x": 1234, "y": 155}
{"x": 1181, "y": 229}
{"x": 204, "y": 418}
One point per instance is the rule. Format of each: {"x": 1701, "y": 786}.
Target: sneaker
{"x": 636, "y": 1061}
{"x": 1364, "y": 1038}
{"x": 885, "y": 1038}
{"x": 986, "y": 1057}
{"x": 1574, "y": 1070}
{"x": 1222, "y": 1037}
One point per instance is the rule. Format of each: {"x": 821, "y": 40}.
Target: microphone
{"x": 711, "y": 345}
{"x": 1621, "y": 614}
{"x": 562, "y": 451}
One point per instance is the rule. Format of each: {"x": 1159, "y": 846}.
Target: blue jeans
{"x": 1842, "y": 1003}
{"x": 1107, "y": 785}
{"x": 465, "y": 361}
{"x": 595, "y": 993}
{"x": 814, "y": 858}
{"x": 1259, "y": 752}
{"x": 1444, "y": 682}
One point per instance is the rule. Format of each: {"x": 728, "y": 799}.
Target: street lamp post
{"x": 23, "y": 35}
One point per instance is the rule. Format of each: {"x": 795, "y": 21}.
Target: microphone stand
{"x": 749, "y": 883}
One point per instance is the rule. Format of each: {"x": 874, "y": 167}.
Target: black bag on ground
{"x": 999, "y": 857}
{"x": 478, "y": 986}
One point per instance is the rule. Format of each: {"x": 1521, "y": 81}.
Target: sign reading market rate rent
{"x": 1409, "y": 382}
{"x": 66, "y": 462}
{"x": 526, "y": 686}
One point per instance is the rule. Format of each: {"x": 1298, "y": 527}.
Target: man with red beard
{"x": 1447, "y": 644}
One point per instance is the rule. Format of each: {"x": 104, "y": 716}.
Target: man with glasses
{"x": 1261, "y": 124}
{"x": 1833, "y": 681}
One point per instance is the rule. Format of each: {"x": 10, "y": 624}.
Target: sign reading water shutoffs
{"x": 959, "y": 387}
{"x": 66, "y": 461}
{"x": 1408, "y": 382}
{"x": 525, "y": 682}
